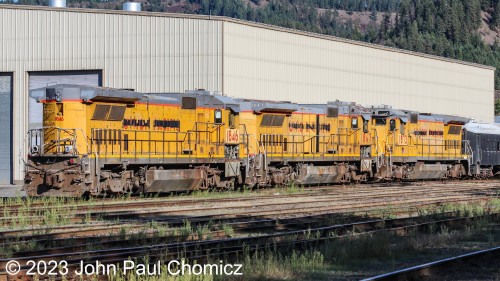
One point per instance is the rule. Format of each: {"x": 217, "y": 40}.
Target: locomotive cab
{"x": 60, "y": 153}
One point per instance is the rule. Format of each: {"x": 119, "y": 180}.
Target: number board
{"x": 402, "y": 139}
{"x": 366, "y": 138}
{"x": 232, "y": 136}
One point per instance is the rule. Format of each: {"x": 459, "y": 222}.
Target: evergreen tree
{"x": 373, "y": 14}
{"x": 496, "y": 15}
{"x": 446, "y": 28}
{"x": 497, "y": 107}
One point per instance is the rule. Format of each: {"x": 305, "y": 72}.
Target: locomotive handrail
{"x": 124, "y": 143}
{"x": 247, "y": 143}
{"x": 115, "y": 142}
{"x": 467, "y": 148}
{"x": 278, "y": 147}
{"x": 73, "y": 139}
{"x": 206, "y": 123}
{"x": 311, "y": 137}
{"x": 256, "y": 143}
{"x": 156, "y": 142}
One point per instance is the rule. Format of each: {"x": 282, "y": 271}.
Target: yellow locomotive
{"x": 100, "y": 140}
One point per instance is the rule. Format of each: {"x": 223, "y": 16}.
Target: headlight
{"x": 68, "y": 149}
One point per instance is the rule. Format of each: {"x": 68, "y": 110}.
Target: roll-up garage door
{"x": 5, "y": 128}
{"x": 38, "y": 80}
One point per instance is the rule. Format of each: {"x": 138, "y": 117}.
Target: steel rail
{"x": 100, "y": 210}
{"x": 216, "y": 231}
{"x": 423, "y": 271}
{"x": 337, "y": 188}
{"x": 164, "y": 216}
{"x": 179, "y": 200}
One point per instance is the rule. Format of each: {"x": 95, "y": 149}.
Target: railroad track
{"x": 110, "y": 231}
{"x": 216, "y": 230}
{"x": 143, "y": 208}
{"x": 132, "y": 202}
{"x": 228, "y": 247}
{"x": 175, "y": 217}
{"x": 434, "y": 270}
{"x": 116, "y": 221}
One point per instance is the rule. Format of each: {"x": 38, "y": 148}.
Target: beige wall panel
{"x": 146, "y": 53}
{"x": 134, "y": 51}
{"x": 268, "y": 64}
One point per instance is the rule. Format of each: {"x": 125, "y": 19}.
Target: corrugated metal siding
{"x": 5, "y": 128}
{"x": 145, "y": 53}
{"x": 285, "y": 66}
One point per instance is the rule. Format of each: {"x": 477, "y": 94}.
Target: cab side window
{"x": 218, "y": 116}
{"x": 380, "y": 121}
{"x": 354, "y": 123}
{"x": 392, "y": 125}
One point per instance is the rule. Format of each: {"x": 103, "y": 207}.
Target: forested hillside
{"x": 459, "y": 29}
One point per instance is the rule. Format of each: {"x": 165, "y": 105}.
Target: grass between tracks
{"x": 53, "y": 211}
{"x": 28, "y": 202}
{"x": 357, "y": 255}
{"x": 350, "y": 257}
{"x": 343, "y": 258}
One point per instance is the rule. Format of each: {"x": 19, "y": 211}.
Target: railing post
{"x": 189, "y": 145}
{"x": 98, "y": 140}
{"x": 105, "y": 143}
{"x": 120, "y": 143}
{"x": 176, "y": 145}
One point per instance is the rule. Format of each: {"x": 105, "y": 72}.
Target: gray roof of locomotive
{"x": 344, "y": 108}
{"x": 203, "y": 98}
{"x": 384, "y": 111}
{"x": 91, "y": 93}
{"x": 405, "y": 114}
{"x": 483, "y": 128}
{"x": 78, "y": 92}
{"x": 447, "y": 119}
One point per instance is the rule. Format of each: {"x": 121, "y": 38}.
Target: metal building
{"x": 158, "y": 52}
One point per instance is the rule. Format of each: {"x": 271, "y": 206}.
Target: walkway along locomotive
{"x": 101, "y": 140}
